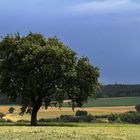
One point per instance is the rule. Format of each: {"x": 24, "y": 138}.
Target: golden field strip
{"x": 53, "y": 112}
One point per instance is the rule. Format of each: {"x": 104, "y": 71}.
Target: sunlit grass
{"x": 97, "y": 132}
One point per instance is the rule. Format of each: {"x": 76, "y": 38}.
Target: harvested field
{"x": 55, "y": 112}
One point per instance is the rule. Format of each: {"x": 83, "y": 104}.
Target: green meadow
{"x": 120, "y": 101}
{"x": 83, "y": 132}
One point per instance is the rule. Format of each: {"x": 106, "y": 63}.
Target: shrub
{"x": 130, "y": 112}
{"x": 101, "y": 116}
{"x": 81, "y": 113}
{"x": 2, "y": 120}
{"x": 130, "y": 117}
{"x": 48, "y": 120}
{"x": 9, "y": 121}
{"x": 112, "y": 117}
{"x": 90, "y": 118}
{"x": 137, "y": 107}
{"x": 71, "y": 118}
{"x": 100, "y": 121}
{"x": 2, "y": 115}
{"x": 11, "y": 109}
{"x": 67, "y": 118}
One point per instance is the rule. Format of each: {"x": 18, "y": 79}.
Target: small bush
{"x": 101, "y": 116}
{"x": 48, "y": 120}
{"x": 11, "y": 109}
{"x": 2, "y": 120}
{"x": 71, "y": 118}
{"x": 137, "y": 107}
{"x": 2, "y": 115}
{"x": 100, "y": 121}
{"x": 81, "y": 113}
{"x": 67, "y": 118}
{"x": 43, "y": 120}
{"x": 90, "y": 118}
{"x": 112, "y": 117}
{"x": 131, "y": 112}
{"x": 130, "y": 118}
{"x": 9, "y": 121}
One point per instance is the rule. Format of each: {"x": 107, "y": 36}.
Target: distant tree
{"x": 81, "y": 113}
{"x": 119, "y": 90}
{"x": 2, "y": 115}
{"x": 112, "y": 117}
{"x": 11, "y": 109}
{"x": 137, "y": 107}
{"x": 40, "y": 70}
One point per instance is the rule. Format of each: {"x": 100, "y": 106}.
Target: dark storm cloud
{"x": 107, "y": 31}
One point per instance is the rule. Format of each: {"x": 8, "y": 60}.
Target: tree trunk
{"x": 35, "y": 110}
{"x": 34, "y": 117}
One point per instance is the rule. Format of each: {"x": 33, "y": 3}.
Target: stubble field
{"x": 91, "y": 132}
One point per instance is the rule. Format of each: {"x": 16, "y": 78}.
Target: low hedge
{"x": 130, "y": 118}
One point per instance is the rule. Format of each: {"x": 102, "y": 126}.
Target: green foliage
{"x": 9, "y": 121}
{"x": 119, "y": 90}
{"x": 101, "y": 116}
{"x": 112, "y": 117}
{"x": 81, "y": 113}
{"x": 49, "y": 120}
{"x": 137, "y": 107}
{"x": 130, "y": 118}
{"x": 2, "y": 115}
{"x": 36, "y": 70}
{"x": 71, "y": 118}
{"x": 11, "y": 109}
{"x": 80, "y": 116}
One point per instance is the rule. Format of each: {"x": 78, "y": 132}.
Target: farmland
{"x": 118, "y": 101}
{"x": 55, "y": 112}
{"x": 99, "y": 106}
{"x": 70, "y": 131}
{"x": 91, "y": 132}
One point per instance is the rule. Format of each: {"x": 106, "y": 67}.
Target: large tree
{"x": 39, "y": 70}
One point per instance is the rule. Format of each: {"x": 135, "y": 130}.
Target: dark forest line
{"x": 106, "y": 91}
{"x": 119, "y": 90}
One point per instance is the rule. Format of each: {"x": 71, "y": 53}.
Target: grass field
{"x": 120, "y": 101}
{"x": 87, "y": 132}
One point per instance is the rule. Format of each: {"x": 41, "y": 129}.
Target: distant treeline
{"x": 106, "y": 91}
{"x": 118, "y": 90}
{"x": 5, "y": 101}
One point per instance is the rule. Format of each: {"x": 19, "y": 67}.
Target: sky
{"x": 107, "y": 31}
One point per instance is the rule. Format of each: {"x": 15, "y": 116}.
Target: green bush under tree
{"x": 11, "y": 109}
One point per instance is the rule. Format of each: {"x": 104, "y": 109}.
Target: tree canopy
{"x": 39, "y": 70}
